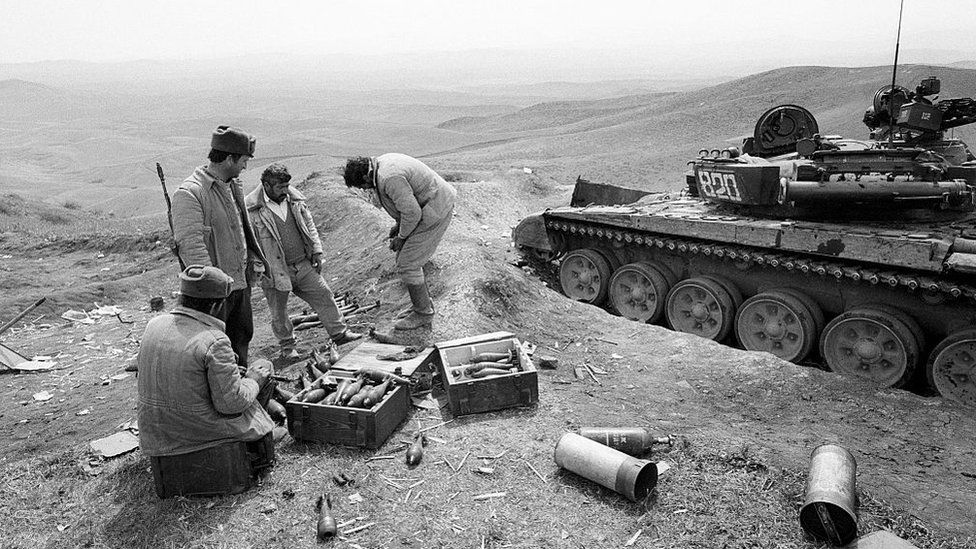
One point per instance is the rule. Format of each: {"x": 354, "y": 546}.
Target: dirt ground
{"x": 746, "y": 422}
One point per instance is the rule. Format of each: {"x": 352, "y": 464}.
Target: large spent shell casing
{"x": 605, "y": 466}
{"x": 828, "y": 511}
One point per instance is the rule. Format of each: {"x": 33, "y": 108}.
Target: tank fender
{"x": 961, "y": 263}
{"x": 964, "y": 245}
{"x": 531, "y": 233}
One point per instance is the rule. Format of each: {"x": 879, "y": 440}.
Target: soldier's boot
{"x": 422, "y": 313}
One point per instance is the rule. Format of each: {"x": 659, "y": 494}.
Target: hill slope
{"x": 646, "y": 140}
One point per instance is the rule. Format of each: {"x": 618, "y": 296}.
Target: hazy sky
{"x": 114, "y": 30}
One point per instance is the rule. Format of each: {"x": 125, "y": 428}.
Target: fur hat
{"x": 205, "y": 282}
{"x": 233, "y": 141}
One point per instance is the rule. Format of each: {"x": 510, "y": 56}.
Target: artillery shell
{"x": 316, "y": 364}
{"x": 326, "y": 528}
{"x": 478, "y": 366}
{"x": 415, "y": 452}
{"x": 276, "y": 411}
{"x": 314, "y": 395}
{"x": 492, "y": 357}
{"x": 331, "y": 399}
{"x": 376, "y": 394}
{"x": 485, "y": 372}
{"x": 357, "y": 400}
{"x": 350, "y": 391}
{"x": 282, "y": 395}
{"x": 379, "y": 376}
{"x": 342, "y": 388}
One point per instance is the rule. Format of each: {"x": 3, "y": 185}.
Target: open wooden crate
{"x": 466, "y": 395}
{"x": 362, "y": 427}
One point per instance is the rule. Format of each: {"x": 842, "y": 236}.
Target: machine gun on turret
{"x": 920, "y": 121}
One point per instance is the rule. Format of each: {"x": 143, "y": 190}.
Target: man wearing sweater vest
{"x": 290, "y": 241}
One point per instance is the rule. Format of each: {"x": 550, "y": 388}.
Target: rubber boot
{"x": 423, "y": 309}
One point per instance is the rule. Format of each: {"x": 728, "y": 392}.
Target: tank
{"x": 856, "y": 254}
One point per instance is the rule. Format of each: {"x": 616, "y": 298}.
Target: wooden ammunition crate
{"x": 226, "y": 469}
{"x": 363, "y": 427}
{"x": 472, "y": 396}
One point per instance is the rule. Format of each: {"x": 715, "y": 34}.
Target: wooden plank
{"x": 481, "y": 338}
{"x": 365, "y": 356}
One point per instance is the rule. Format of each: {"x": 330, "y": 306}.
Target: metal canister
{"x": 605, "y": 466}
{"x": 828, "y": 511}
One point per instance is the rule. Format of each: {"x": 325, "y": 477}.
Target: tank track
{"x": 859, "y": 273}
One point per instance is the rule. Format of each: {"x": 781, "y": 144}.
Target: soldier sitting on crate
{"x": 192, "y": 396}
{"x": 290, "y": 241}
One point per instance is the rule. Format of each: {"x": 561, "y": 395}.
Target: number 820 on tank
{"x": 718, "y": 185}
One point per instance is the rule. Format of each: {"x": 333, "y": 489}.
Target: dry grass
{"x": 707, "y": 500}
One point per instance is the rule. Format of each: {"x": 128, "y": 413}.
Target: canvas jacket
{"x": 205, "y": 233}
{"x": 191, "y": 394}
{"x": 412, "y": 193}
{"x": 263, "y": 220}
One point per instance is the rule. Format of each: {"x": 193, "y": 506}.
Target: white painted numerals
{"x": 719, "y": 185}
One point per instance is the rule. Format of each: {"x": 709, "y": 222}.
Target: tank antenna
{"x": 894, "y": 72}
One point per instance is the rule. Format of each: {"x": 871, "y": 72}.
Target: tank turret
{"x": 789, "y": 170}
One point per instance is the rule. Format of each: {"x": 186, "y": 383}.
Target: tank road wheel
{"x": 729, "y": 287}
{"x": 584, "y": 275}
{"x": 638, "y": 290}
{"x": 952, "y": 367}
{"x": 779, "y": 322}
{"x": 701, "y": 306}
{"x": 877, "y": 343}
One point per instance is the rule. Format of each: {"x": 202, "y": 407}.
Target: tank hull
{"x": 851, "y": 292}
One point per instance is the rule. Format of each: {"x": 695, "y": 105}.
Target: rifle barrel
{"x": 36, "y": 304}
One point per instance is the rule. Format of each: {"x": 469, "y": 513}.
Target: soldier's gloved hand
{"x": 396, "y": 243}
{"x": 395, "y": 231}
{"x": 259, "y": 371}
{"x": 317, "y": 263}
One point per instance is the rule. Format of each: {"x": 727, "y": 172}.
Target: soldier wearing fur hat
{"x": 191, "y": 394}
{"x": 211, "y": 227}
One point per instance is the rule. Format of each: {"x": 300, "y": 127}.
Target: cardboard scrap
{"x": 77, "y": 316}
{"x": 109, "y": 310}
{"x": 427, "y": 403}
{"x": 111, "y": 446}
{"x": 34, "y": 366}
{"x": 9, "y": 358}
{"x": 662, "y": 468}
